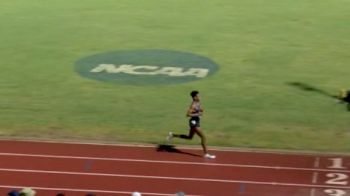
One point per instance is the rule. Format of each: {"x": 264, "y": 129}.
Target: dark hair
{"x": 194, "y": 93}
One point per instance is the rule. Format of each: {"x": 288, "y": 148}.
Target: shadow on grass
{"x": 172, "y": 149}
{"x": 310, "y": 88}
{"x": 307, "y": 87}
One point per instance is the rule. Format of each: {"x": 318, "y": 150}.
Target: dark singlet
{"x": 194, "y": 120}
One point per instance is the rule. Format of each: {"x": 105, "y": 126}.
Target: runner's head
{"x": 194, "y": 95}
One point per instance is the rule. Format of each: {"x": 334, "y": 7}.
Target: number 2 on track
{"x": 337, "y": 178}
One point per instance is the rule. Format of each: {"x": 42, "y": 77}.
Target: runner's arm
{"x": 191, "y": 112}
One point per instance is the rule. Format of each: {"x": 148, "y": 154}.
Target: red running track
{"x": 105, "y": 170}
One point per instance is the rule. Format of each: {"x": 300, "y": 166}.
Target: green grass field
{"x": 263, "y": 48}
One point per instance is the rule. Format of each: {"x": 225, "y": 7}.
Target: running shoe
{"x": 170, "y": 136}
{"x": 209, "y": 156}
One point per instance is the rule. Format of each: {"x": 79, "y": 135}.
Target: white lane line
{"x": 84, "y": 190}
{"x": 172, "y": 162}
{"x": 143, "y": 145}
{"x": 174, "y": 178}
{"x": 314, "y": 178}
{"x": 317, "y": 162}
{"x": 315, "y": 175}
{"x": 312, "y": 192}
{"x": 316, "y": 166}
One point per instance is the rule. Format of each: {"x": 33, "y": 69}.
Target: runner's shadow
{"x": 307, "y": 87}
{"x": 172, "y": 149}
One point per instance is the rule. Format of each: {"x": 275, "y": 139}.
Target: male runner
{"x": 194, "y": 112}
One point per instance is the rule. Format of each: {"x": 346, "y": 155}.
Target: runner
{"x": 194, "y": 112}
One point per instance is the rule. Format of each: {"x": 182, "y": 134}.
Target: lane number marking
{"x": 335, "y": 192}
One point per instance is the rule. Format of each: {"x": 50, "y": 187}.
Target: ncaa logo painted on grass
{"x": 146, "y": 67}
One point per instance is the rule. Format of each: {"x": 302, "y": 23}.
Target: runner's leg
{"x": 199, "y": 132}
{"x": 189, "y": 136}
